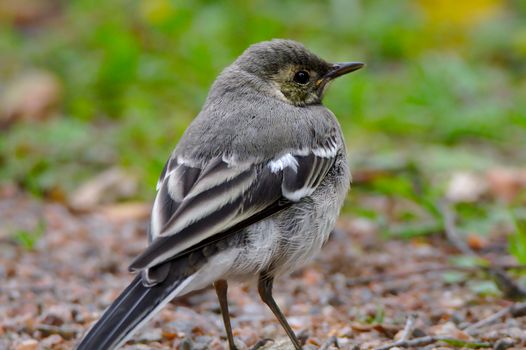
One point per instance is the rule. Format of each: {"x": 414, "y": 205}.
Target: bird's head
{"x": 290, "y": 71}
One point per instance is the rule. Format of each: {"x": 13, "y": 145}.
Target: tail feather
{"x": 136, "y": 305}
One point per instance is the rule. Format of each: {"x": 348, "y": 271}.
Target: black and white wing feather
{"x": 199, "y": 204}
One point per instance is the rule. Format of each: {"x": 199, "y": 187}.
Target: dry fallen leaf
{"x": 30, "y": 344}
{"x": 476, "y": 242}
{"x": 107, "y": 187}
{"x": 29, "y": 12}
{"x": 506, "y": 183}
{"x": 449, "y": 329}
{"x": 123, "y": 212}
{"x": 31, "y": 97}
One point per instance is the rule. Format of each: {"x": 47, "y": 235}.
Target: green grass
{"x": 29, "y": 239}
{"x": 517, "y": 241}
{"x": 437, "y": 96}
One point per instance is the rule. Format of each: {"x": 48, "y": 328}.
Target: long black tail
{"x": 136, "y": 305}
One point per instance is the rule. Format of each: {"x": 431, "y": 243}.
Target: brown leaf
{"x": 449, "y": 329}
{"x": 28, "y": 12}
{"x": 359, "y": 327}
{"x": 32, "y": 97}
{"x": 30, "y": 344}
{"x": 506, "y": 183}
{"x": 123, "y": 212}
{"x": 107, "y": 187}
{"x": 476, "y": 242}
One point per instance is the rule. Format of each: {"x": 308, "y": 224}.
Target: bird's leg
{"x": 265, "y": 292}
{"x": 221, "y": 287}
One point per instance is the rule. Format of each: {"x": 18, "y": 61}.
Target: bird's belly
{"x": 310, "y": 231}
{"x": 283, "y": 242}
{"x": 287, "y": 240}
{"x": 276, "y": 245}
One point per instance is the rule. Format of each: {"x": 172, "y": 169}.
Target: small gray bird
{"x": 252, "y": 190}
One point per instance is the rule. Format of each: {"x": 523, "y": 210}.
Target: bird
{"x": 251, "y": 191}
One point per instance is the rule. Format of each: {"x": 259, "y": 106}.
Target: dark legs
{"x": 221, "y": 287}
{"x": 265, "y": 291}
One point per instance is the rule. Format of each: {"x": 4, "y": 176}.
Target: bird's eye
{"x": 301, "y": 77}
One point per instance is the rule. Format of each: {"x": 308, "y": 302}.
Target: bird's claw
{"x": 261, "y": 343}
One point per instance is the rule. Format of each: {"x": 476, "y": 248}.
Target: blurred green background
{"x": 85, "y": 85}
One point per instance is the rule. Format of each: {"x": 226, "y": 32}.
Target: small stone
{"x": 186, "y": 344}
{"x": 466, "y": 187}
{"x": 51, "y": 340}
{"x": 29, "y": 344}
{"x": 150, "y": 335}
{"x": 503, "y": 344}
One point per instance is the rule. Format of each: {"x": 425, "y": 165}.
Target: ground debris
{"x": 360, "y": 293}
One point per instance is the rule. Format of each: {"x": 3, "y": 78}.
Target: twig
{"x": 406, "y": 333}
{"x": 515, "y": 310}
{"x": 518, "y": 310}
{"x": 451, "y": 230}
{"x": 421, "y": 341}
{"x": 408, "y": 328}
{"x": 488, "y": 320}
{"x": 507, "y": 285}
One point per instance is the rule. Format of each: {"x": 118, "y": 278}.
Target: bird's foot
{"x": 303, "y": 336}
{"x": 261, "y": 343}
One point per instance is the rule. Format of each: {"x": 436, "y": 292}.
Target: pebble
{"x": 503, "y": 344}
{"x": 51, "y": 340}
{"x": 29, "y": 344}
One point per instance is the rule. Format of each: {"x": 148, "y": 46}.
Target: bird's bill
{"x": 339, "y": 69}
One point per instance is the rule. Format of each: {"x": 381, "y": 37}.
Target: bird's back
{"x": 252, "y": 125}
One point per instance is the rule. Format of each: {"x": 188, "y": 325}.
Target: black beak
{"x": 339, "y": 69}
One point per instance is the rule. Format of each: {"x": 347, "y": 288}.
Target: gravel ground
{"x": 360, "y": 290}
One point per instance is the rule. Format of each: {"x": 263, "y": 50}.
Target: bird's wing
{"x": 196, "y": 205}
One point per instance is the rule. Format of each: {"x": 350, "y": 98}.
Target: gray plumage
{"x": 253, "y": 189}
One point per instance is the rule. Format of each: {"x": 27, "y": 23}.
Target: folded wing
{"x": 197, "y": 205}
